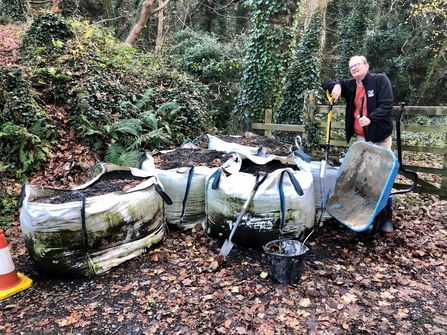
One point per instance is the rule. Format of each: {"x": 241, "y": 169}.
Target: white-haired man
{"x": 376, "y": 122}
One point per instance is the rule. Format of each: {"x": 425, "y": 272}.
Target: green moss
{"x": 114, "y": 221}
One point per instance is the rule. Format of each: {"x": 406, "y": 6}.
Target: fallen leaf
{"x": 305, "y": 302}
{"x": 348, "y": 297}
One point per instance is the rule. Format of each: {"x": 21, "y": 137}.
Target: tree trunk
{"x": 159, "y": 40}
{"x": 147, "y": 10}
{"x": 431, "y": 69}
{"x": 322, "y": 4}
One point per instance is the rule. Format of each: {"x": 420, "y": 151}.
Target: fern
{"x": 127, "y": 127}
{"x": 150, "y": 130}
{"x": 20, "y": 150}
{"x": 167, "y": 106}
{"x": 117, "y": 154}
{"x": 149, "y": 119}
{"x": 153, "y": 139}
{"x": 146, "y": 98}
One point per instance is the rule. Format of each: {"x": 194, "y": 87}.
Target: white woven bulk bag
{"x": 277, "y": 208}
{"x": 215, "y": 143}
{"x": 329, "y": 175}
{"x": 90, "y": 236}
{"x": 186, "y": 188}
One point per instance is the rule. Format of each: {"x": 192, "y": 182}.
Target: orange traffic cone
{"x": 11, "y": 282}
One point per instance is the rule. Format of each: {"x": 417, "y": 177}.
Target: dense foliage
{"x": 18, "y": 10}
{"x": 104, "y": 85}
{"x": 215, "y": 64}
{"x": 26, "y": 129}
{"x": 267, "y": 57}
{"x": 302, "y": 76}
{"x": 354, "y": 20}
{"x": 404, "y": 39}
{"x": 44, "y": 39}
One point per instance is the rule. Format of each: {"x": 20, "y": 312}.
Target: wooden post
{"x": 268, "y": 120}
{"x": 309, "y": 117}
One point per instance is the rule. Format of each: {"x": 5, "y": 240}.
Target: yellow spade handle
{"x": 329, "y": 116}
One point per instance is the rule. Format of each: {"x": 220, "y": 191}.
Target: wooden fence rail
{"x": 424, "y": 186}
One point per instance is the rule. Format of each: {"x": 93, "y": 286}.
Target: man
{"x": 376, "y": 122}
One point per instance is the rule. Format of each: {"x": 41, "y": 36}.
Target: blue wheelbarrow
{"x": 359, "y": 194}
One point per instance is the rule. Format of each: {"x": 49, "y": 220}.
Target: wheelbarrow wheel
{"x": 375, "y": 225}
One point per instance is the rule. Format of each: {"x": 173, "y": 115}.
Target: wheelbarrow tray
{"x": 362, "y": 186}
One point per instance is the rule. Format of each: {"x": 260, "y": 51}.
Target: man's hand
{"x": 364, "y": 121}
{"x": 336, "y": 92}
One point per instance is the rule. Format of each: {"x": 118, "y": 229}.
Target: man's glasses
{"x": 355, "y": 65}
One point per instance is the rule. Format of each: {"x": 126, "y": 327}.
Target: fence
{"x": 311, "y": 108}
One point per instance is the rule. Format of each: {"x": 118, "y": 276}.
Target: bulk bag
{"x": 186, "y": 187}
{"x": 284, "y": 204}
{"x": 89, "y": 236}
{"x": 329, "y": 176}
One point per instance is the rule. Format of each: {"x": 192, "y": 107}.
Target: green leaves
{"x": 47, "y": 31}
{"x": 302, "y": 76}
{"x": 26, "y": 129}
{"x": 267, "y": 57}
{"x": 21, "y": 151}
{"x": 213, "y": 63}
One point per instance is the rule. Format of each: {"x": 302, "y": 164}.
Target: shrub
{"x": 44, "y": 39}
{"x": 216, "y": 64}
{"x": 98, "y": 78}
{"x": 26, "y": 129}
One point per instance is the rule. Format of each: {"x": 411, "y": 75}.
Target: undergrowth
{"x": 107, "y": 87}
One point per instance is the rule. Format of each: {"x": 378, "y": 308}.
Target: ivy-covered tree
{"x": 303, "y": 74}
{"x": 354, "y": 20}
{"x": 267, "y": 57}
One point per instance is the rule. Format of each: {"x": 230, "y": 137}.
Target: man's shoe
{"x": 387, "y": 228}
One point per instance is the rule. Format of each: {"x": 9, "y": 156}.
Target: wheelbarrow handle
{"x": 399, "y": 154}
{"x": 365, "y": 129}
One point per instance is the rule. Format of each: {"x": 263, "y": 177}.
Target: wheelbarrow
{"x": 359, "y": 194}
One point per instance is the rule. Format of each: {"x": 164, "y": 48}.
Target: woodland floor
{"x": 350, "y": 284}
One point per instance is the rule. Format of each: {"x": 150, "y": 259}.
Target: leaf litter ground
{"x": 351, "y": 285}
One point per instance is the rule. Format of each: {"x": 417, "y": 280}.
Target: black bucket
{"x": 285, "y": 260}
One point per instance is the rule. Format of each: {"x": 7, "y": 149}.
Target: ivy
{"x": 96, "y": 78}
{"x": 19, "y": 10}
{"x": 20, "y": 105}
{"x": 355, "y": 18}
{"x": 302, "y": 76}
{"x": 26, "y": 129}
{"x": 47, "y": 33}
{"x": 267, "y": 57}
